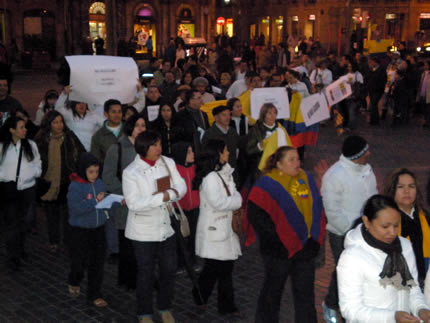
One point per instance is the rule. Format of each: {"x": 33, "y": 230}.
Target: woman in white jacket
{"x": 19, "y": 167}
{"x": 377, "y": 274}
{"x": 216, "y": 241}
{"x": 148, "y": 222}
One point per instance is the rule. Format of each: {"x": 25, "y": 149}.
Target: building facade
{"x": 62, "y": 27}
{"x": 337, "y": 24}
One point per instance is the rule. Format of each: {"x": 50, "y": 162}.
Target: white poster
{"x": 337, "y": 91}
{"x": 314, "y": 109}
{"x": 153, "y": 111}
{"x": 276, "y": 95}
{"x": 96, "y": 79}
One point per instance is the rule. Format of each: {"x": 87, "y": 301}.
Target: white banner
{"x": 96, "y": 79}
{"x": 314, "y": 109}
{"x": 276, "y": 95}
{"x": 337, "y": 91}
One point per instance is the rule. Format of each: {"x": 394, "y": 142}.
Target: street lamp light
{"x": 227, "y": 1}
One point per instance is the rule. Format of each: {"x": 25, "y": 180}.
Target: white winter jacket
{"x": 362, "y": 298}
{"x": 344, "y": 189}
{"x": 215, "y": 238}
{"x": 84, "y": 128}
{"x": 29, "y": 170}
{"x": 148, "y": 218}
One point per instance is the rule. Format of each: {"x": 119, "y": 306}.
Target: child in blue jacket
{"x": 87, "y": 236}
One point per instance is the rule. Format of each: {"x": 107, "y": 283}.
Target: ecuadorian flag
{"x": 294, "y": 205}
{"x": 245, "y": 99}
{"x": 278, "y": 139}
{"x": 300, "y": 134}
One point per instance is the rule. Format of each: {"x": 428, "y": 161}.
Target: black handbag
{"x": 9, "y": 189}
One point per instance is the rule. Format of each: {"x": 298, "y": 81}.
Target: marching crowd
{"x": 212, "y": 174}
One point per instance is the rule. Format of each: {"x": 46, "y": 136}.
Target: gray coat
{"x": 110, "y": 178}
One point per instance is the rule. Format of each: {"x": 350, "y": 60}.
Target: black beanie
{"x": 86, "y": 160}
{"x": 354, "y": 147}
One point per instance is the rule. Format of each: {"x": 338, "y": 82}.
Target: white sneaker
{"x": 330, "y": 315}
{"x": 167, "y": 317}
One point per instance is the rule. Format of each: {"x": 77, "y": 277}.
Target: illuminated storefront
{"x": 224, "y": 26}
{"x": 186, "y": 27}
{"x": 97, "y": 20}
{"x": 144, "y": 27}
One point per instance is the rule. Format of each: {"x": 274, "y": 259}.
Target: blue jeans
{"x": 147, "y": 254}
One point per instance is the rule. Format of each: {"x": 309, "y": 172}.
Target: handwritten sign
{"x": 278, "y": 96}
{"x": 314, "y": 109}
{"x": 96, "y": 79}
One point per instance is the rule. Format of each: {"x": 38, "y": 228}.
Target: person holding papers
{"x": 294, "y": 84}
{"x": 150, "y": 184}
{"x": 154, "y": 101}
{"x": 87, "y": 236}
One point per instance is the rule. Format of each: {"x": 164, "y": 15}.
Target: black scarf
{"x": 395, "y": 271}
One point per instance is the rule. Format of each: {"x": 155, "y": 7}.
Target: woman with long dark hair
{"x": 163, "y": 125}
{"x": 79, "y": 118}
{"x": 285, "y": 209}
{"x": 216, "y": 242}
{"x": 19, "y": 167}
{"x": 377, "y": 273}
{"x": 414, "y": 225}
{"x": 59, "y": 150}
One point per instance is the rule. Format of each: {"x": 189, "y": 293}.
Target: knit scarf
{"x": 53, "y": 174}
{"x": 395, "y": 271}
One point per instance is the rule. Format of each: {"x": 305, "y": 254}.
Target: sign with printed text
{"x": 96, "y": 79}
{"x": 314, "y": 109}
{"x": 276, "y": 95}
{"x": 337, "y": 91}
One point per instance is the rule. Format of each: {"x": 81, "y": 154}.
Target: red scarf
{"x": 149, "y": 162}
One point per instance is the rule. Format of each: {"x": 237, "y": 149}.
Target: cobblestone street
{"x": 39, "y": 292}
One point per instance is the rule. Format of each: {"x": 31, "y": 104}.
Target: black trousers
{"x": 57, "y": 222}
{"x": 336, "y": 245}
{"x": 276, "y": 272}
{"x": 192, "y": 216}
{"x": 374, "y": 113}
{"x": 127, "y": 265}
{"x": 13, "y": 214}
{"x": 87, "y": 251}
{"x": 221, "y": 272}
{"x": 148, "y": 253}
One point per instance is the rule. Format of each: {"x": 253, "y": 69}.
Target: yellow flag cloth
{"x": 278, "y": 139}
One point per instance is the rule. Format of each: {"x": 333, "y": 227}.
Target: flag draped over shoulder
{"x": 294, "y": 205}
{"x": 278, "y": 139}
{"x": 245, "y": 100}
{"x": 208, "y": 107}
{"x": 300, "y": 134}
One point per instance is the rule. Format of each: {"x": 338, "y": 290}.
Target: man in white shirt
{"x": 321, "y": 77}
{"x": 345, "y": 187}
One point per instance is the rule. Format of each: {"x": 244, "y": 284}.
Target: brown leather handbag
{"x": 236, "y": 221}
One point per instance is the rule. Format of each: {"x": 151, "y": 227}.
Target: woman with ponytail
{"x": 19, "y": 166}
{"x": 285, "y": 210}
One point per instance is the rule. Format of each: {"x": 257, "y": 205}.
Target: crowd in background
{"x": 72, "y": 155}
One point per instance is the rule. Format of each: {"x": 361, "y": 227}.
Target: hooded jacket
{"x": 191, "y": 199}
{"x": 81, "y": 197}
{"x": 344, "y": 189}
{"x": 361, "y": 296}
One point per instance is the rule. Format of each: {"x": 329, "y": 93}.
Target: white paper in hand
{"x": 107, "y": 202}
{"x": 314, "y": 109}
{"x": 153, "y": 111}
